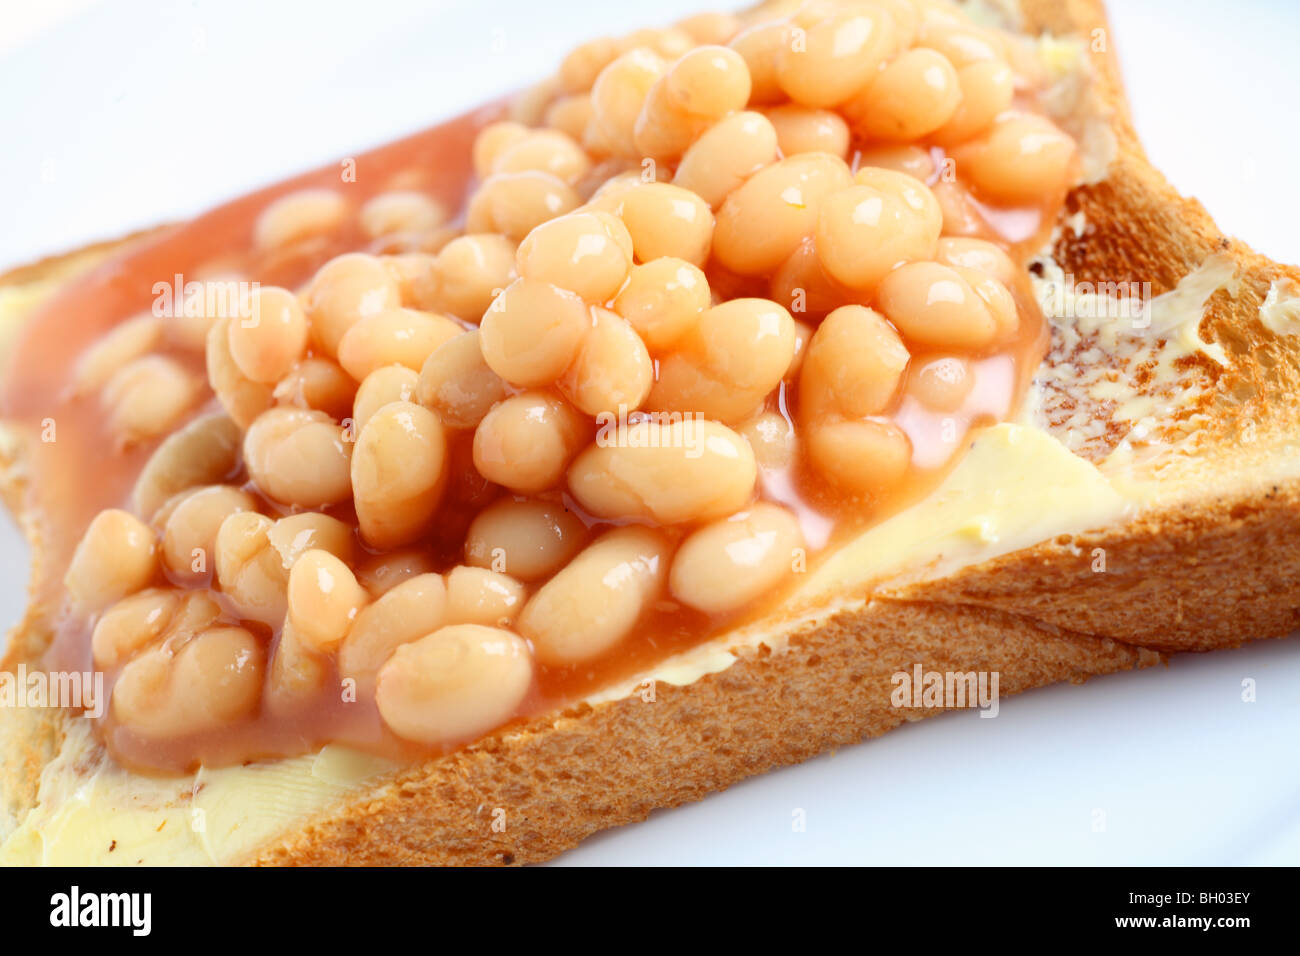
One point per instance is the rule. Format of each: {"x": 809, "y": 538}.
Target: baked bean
{"x": 190, "y": 531}
{"x": 725, "y": 155}
{"x": 306, "y": 214}
{"x": 529, "y": 540}
{"x": 666, "y": 220}
{"x": 514, "y": 204}
{"x": 147, "y": 397}
{"x": 867, "y": 458}
{"x": 205, "y": 451}
{"x": 458, "y": 384}
{"x": 532, "y": 331}
{"x": 725, "y": 366}
{"x": 732, "y": 563}
{"x": 597, "y": 599}
{"x": 491, "y": 141}
{"x": 687, "y": 470}
{"x": 318, "y": 383}
{"x": 666, "y": 127}
{"x": 906, "y": 20}
{"x": 612, "y": 370}
{"x": 298, "y": 673}
{"x": 937, "y": 14}
{"x": 401, "y": 211}
{"x": 249, "y": 568}
{"x": 241, "y": 397}
{"x": 146, "y": 618}
{"x": 571, "y": 115}
{"x": 416, "y": 275}
{"x": 996, "y": 297}
{"x": 803, "y": 333}
{"x": 908, "y": 158}
{"x": 116, "y": 557}
{"x": 298, "y": 457}
{"x": 390, "y": 383}
{"x": 978, "y": 254}
{"x": 618, "y": 94}
{"x": 669, "y": 42}
{"x": 987, "y": 87}
{"x": 393, "y": 337}
{"x": 772, "y": 438}
{"x": 961, "y": 46}
{"x": 455, "y": 684}
{"x": 747, "y": 343}
{"x": 910, "y": 98}
{"x": 710, "y": 27}
{"x": 294, "y": 535}
{"x": 544, "y": 151}
{"x": 471, "y": 272}
{"x": 343, "y": 292}
{"x": 324, "y": 599}
{"x": 837, "y": 56}
{"x": 210, "y": 682}
{"x": 266, "y": 345}
{"x": 134, "y": 622}
{"x": 960, "y": 216}
{"x": 525, "y": 442}
{"x": 117, "y": 347}
{"x": 942, "y": 383}
{"x": 855, "y": 362}
{"x": 578, "y": 70}
{"x": 709, "y": 80}
{"x": 802, "y": 129}
{"x": 482, "y": 596}
{"x": 587, "y": 253}
{"x": 1021, "y": 158}
{"x": 884, "y": 219}
{"x": 380, "y": 573}
{"x": 762, "y": 222}
{"x": 399, "y": 470}
{"x": 663, "y": 299}
{"x": 608, "y": 196}
{"x": 529, "y": 106}
{"x": 760, "y": 46}
{"x": 934, "y": 305}
{"x": 803, "y": 285}
{"x": 410, "y": 610}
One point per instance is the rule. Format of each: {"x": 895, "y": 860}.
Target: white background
{"x": 117, "y": 116}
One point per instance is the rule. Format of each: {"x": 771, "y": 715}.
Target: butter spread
{"x": 1280, "y": 311}
{"x": 1113, "y": 376}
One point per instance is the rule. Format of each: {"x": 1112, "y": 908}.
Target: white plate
{"x": 119, "y": 116}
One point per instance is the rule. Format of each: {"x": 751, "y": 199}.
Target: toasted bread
{"x": 1189, "y": 540}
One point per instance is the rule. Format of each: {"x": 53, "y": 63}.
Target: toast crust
{"x": 1210, "y": 572}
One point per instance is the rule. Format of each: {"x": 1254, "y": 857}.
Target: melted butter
{"x": 1280, "y": 311}
{"x": 91, "y": 812}
{"x": 1115, "y": 373}
{"x": 1015, "y": 487}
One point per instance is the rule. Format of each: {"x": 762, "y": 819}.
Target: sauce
{"x": 83, "y": 471}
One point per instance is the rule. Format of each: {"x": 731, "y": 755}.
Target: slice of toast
{"x": 1172, "y": 522}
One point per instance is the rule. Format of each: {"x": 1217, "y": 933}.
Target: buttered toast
{"x": 1143, "y": 500}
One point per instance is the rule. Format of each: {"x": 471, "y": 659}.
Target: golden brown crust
{"x": 560, "y": 780}
{"x": 1211, "y": 572}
